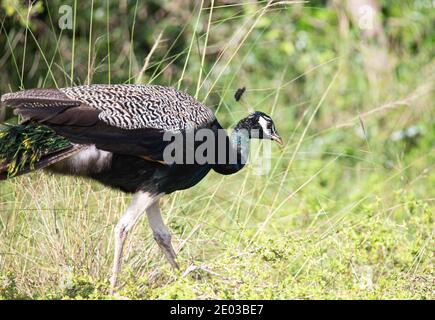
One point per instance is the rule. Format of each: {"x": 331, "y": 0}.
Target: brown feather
{"x": 81, "y": 124}
{"x": 41, "y": 97}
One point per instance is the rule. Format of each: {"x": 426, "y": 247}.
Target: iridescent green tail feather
{"x": 23, "y": 145}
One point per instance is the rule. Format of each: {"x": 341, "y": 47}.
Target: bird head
{"x": 260, "y": 126}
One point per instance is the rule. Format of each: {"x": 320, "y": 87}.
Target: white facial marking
{"x": 263, "y": 123}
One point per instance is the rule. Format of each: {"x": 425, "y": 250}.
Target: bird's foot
{"x": 164, "y": 242}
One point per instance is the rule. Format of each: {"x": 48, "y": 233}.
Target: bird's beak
{"x": 277, "y": 138}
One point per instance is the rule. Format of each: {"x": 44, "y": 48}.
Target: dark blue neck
{"x": 238, "y": 151}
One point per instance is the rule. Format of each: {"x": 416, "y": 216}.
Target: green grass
{"x": 345, "y": 212}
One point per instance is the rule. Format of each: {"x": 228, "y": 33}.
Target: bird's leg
{"x": 141, "y": 201}
{"x": 161, "y": 233}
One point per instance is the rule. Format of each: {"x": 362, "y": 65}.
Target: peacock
{"x": 118, "y": 135}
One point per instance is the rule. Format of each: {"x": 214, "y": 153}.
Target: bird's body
{"x": 130, "y": 173}
{"x": 116, "y": 134}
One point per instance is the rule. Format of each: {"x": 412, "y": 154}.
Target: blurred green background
{"x": 345, "y": 212}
